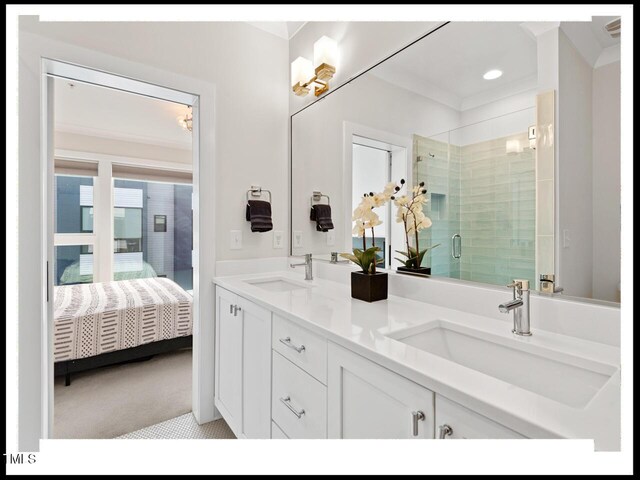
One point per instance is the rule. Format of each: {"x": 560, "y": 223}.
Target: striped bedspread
{"x": 90, "y": 319}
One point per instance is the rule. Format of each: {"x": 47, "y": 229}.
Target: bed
{"x": 99, "y": 324}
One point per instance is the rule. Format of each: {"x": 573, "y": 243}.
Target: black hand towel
{"x": 322, "y": 215}
{"x": 259, "y": 214}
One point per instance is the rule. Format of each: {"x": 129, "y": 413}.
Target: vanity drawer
{"x": 295, "y": 392}
{"x": 465, "y": 423}
{"x": 276, "y": 432}
{"x": 289, "y": 340}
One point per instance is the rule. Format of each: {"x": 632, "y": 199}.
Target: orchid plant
{"x": 411, "y": 215}
{"x": 366, "y": 218}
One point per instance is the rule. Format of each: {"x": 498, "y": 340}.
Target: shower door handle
{"x": 456, "y": 246}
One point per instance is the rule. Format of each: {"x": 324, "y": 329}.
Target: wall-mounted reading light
{"x": 303, "y": 73}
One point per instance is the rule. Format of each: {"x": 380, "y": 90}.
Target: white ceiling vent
{"x": 613, "y": 28}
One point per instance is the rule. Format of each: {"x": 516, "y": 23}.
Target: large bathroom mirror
{"x": 514, "y": 128}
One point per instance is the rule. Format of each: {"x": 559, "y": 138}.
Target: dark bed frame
{"x": 141, "y": 352}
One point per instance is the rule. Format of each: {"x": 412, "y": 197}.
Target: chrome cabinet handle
{"x": 287, "y": 403}
{"x": 456, "y": 246}
{"x": 417, "y": 417}
{"x": 287, "y": 342}
{"x": 444, "y": 431}
{"x": 230, "y": 308}
{"x": 236, "y": 309}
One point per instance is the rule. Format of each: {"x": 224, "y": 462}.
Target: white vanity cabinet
{"x": 366, "y": 400}
{"x": 243, "y": 365}
{"x": 455, "y": 421}
{"x": 277, "y": 379}
{"x": 299, "y": 395}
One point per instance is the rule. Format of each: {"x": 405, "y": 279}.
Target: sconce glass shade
{"x": 301, "y": 71}
{"x": 513, "y": 146}
{"x": 325, "y": 50}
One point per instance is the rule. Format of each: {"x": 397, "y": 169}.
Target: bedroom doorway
{"x": 122, "y": 250}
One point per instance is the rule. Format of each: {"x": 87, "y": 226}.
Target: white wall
{"x": 110, "y": 146}
{"x": 574, "y": 132}
{"x": 251, "y": 131}
{"x": 360, "y": 45}
{"x": 512, "y": 114}
{"x": 606, "y": 182}
{"x": 243, "y": 130}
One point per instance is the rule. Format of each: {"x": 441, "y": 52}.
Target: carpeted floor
{"x": 112, "y": 401}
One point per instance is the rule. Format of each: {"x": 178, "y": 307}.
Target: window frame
{"x": 102, "y": 238}
{"x": 156, "y": 225}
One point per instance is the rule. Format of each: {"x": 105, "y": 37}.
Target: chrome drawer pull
{"x": 416, "y": 417}
{"x": 444, "y": 431}
{"x": 287, "y": 342}
{"x": 287, "y": 403}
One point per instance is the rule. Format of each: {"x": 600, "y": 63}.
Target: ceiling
{"x": 449, "y": 64}
{"x": 446, "y": 66}
{"x": 284, "y": 30}
{"x": 103, "y": 112}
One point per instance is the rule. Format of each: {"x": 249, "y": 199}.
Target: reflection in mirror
{"x": 482, "y": 186}
{"x": 515, "y": 130}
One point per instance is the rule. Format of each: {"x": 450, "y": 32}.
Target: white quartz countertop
{"x": 328, "y": 309}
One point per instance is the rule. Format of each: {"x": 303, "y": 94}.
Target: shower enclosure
{"x": 481, "y": 183}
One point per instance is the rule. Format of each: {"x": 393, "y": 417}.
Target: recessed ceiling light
{"x": 492, "y": 74}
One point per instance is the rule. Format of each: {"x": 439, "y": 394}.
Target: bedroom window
{"x": 74, "y": 204}
{"x": 86, "y": 219}
{"x": 73, "y": 264}
{"x": 74, "y": 237}
{"x": 153, "y": 230}
{"x": 149, "y": 212}
{"x": 127, "y": 228}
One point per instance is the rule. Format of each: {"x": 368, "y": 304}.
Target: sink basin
{"x": 571, "y": 380}
{"x": 277, "y": 284}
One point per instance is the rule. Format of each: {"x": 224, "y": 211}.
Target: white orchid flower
{"x": 389, "y": 189}
{"x": 358, "y": 228}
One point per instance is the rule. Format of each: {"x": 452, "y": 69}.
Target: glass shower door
{"x": 481, "y": 184}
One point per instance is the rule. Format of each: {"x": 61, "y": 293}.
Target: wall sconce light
{"x": 304, "y": 75}
{"x": 186, "y": 121}
{"x": 513, "y": 146}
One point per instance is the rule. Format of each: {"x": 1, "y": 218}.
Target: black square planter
{"x": 415, "y": 271}
{"x": 369, "y": 288}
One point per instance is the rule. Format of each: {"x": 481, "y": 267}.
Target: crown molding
{"x": 608, "y": 55}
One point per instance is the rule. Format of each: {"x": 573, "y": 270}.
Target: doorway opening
{"x": 374, "y": 163}
{"x": 122, "y": 211}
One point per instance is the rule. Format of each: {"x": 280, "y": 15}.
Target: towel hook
{"x": 317, "y": 197}
{"x": 257, "y": 191}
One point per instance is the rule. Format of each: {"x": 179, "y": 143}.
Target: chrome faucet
{"x": 520, "y": 307}
{"x": 308, "y": 266}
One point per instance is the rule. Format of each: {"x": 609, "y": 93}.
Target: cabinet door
{"x": 256, "y": 370}
{"x": 228, "y": 359}
{"x": 366, "y": 400}
{"x": 455, "y": 421}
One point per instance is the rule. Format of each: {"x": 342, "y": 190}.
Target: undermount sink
{"x": 277, "y": 284}
{"x": 565, "y": 378}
